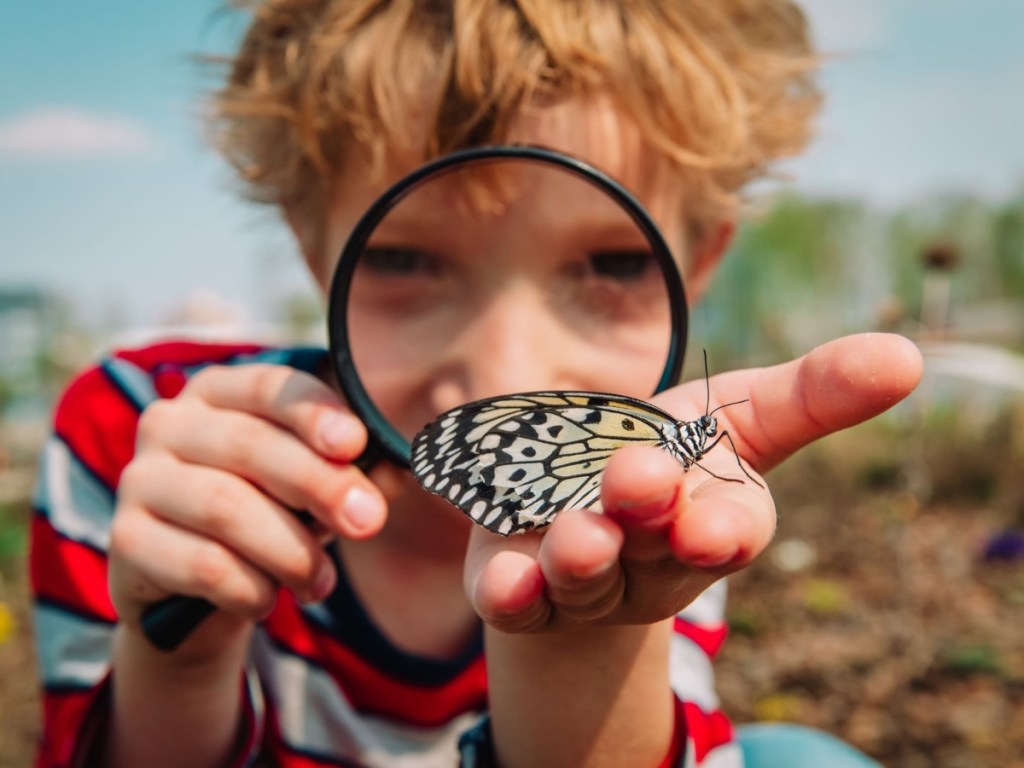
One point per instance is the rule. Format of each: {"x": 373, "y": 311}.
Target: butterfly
{"x": 513, "y": 462}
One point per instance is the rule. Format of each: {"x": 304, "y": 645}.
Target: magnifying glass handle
{"x": 370, "y": 457}
{"x": 168, "y": 622}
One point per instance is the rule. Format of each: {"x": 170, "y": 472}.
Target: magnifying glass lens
{"x": 502, "y": 277}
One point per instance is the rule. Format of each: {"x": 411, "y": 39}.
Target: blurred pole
{"x": 939, "y": 262}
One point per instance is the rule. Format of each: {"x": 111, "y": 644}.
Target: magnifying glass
{"x": 490, "y": 271}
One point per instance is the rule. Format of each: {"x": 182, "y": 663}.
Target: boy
{"x": 370, "y": 652}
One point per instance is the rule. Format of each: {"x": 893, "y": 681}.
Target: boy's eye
{"x": 624, "y": 266}
{"x": 396, "y": 260}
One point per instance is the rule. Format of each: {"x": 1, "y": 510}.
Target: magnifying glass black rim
{"x": 385, "y": 439}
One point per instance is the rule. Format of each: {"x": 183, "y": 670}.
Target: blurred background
{"x": 890, "y": 608}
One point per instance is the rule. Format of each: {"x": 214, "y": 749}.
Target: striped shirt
{"x": 323, "y": 687}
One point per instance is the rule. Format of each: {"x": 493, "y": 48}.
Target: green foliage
{"x": 807, "y": 270}
{"x": 1008, "y": 227}
{"x": 745, "y": 621}
{"x": 971, "y": 660}
{"x": 13, "y": 542}
{"x": 13, "y": 531}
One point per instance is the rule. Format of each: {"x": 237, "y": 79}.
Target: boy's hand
{"x": 205, "y": 508}
{"x": 665, "y": 535}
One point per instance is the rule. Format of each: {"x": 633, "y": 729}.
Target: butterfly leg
{"x": 735, "y": 453}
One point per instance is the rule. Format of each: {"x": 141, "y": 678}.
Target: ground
{"x": 875, "y": 615}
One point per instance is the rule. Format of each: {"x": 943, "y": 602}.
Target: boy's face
{"x": 543, "y": 284}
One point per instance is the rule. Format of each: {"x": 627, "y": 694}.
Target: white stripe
{"x": 690, "y": 673}
{"x": 259, "y": 709}
{"x": 314, "y": 715}
{"x": 72, "y": 651}
{"x": 725, "y": 756}
{"x": 76, "y": 503}
{"x": 709, "y": 607}
{"x": 135, "y": 382}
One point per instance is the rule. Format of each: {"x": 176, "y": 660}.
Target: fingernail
{"x": 712, "y": 559}
{"x": 645, "y": 509}
{"x": 593, "y": 571}
{"x": 335, "y": 430}
{"x": 325, "y": 581}
{"x": 362, "y": 508}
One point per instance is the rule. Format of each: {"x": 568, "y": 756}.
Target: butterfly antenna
{"x": 707, "y": 384}
{"x": 726, "y": 405}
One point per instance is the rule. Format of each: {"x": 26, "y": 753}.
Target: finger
{"x": 837, "y": 385}
{"x": 151, "y": 559}
{"x": 505, "y": 583}
{"x": 723, "y": 526}
{"x": 579, "y": 558}
{"x": 294, "y": 400}
{"x": 269, "y": 457}
{"x": 641, "y": 490}
{"x": 229, "y": 510}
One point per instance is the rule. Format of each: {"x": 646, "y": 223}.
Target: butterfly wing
{"x": 512, "y": 463}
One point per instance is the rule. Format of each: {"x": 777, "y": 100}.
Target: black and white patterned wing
{"x": 512, "y": 463}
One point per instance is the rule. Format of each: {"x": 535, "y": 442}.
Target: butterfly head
{"x": 709, "y": 424}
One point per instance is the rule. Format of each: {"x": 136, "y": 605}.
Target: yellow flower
{"x": 7, "y": 622}
{"x": 778, "y": 707}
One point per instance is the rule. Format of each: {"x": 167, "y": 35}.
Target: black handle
{"x": 168, "y": 622}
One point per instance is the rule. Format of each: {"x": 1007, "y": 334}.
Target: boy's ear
{"x": 705, "y": 255}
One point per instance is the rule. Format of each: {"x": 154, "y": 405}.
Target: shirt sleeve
{"x": 73, "y": 504}
{"x": 707, "y": 735}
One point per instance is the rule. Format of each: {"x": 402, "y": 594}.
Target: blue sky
{"x": 108, "y": 195}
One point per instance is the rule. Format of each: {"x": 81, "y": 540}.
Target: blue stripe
{"x": 131, "y": 381}
{"x": 85, "y": 467}
{"x": 73, "y": 499}
{"x": 71, "y": 611}
{"x": 72, "y": 651}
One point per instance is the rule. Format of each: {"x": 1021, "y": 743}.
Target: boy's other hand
{"x": 666, "y": 536}
{"x": 206, "y": 506}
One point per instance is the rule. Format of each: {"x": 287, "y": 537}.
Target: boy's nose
{"x": 514, "y": 343}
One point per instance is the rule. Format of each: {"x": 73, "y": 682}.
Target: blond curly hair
{"x": 721, "y": 88}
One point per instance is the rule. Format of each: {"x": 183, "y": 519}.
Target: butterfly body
{"x": 513, "y": 462}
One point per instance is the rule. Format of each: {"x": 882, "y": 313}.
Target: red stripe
{"x": 98, "y": 423}
{"x": 249, "y": 730}
{"x": 706, "y": 730}
{"x": 284, "y": 756}
{"x": 710, "y": 639}
{"x": 184, "y": 353}
{"x": 65, "y": 716}
{"x": 69, "y": 573}
{"x": 369, "y": 689}
{"x": 675, "y": 750}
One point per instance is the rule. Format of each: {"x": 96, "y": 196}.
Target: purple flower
{"x": 1005, "y": 545}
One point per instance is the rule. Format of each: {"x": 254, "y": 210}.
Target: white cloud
{"x": 68, "y": 132}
